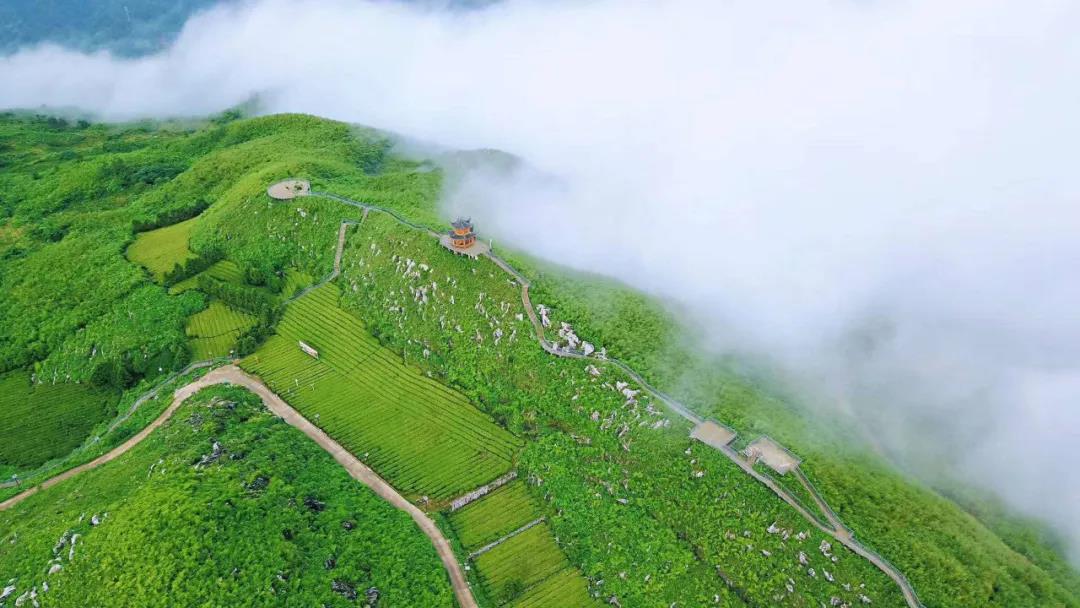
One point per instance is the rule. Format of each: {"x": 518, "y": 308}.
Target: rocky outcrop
{"x": 208, "y": 459}
{"x": 483, "y": 490}
{"x": 344, "y": 589}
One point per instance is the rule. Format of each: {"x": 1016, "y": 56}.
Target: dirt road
{"x": 230, "y": 374}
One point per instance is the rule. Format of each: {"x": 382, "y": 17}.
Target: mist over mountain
{"x": 881, "y": 198}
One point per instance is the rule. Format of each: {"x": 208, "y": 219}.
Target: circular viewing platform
{"x": 477, "y": 249}
{"x": 289, "y": 189}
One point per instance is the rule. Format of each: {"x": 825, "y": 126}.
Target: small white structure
{"x": 311, "y": 352}
{"x": 774, "y": 455}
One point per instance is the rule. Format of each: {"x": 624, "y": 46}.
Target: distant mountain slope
{"x": 126, "y": 27}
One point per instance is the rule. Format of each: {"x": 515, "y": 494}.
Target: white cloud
{"x": 900, "y": 171}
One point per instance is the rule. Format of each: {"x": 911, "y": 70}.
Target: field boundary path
{"x": 505, "y": 537}
{"x": 230, "y": 374}
{"x": 837, "y": 530}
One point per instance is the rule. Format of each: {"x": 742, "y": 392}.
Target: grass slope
{"x": 273, "y": 522}
{"x": 951, "y": 558}
{"x": 159, "y": 250}
{"x": 621, "y": 483}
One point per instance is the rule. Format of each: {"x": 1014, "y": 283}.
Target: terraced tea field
{"x": 423, "y": 437}
{"x": 564, "y": 588}
{"x": 159, "y": 250}
{"x": 214, "y": 331}
{"x": 528, "y": 569}
{"x": 43, "y": 421}
{"x": 295, "y": 281}
{"x": 494, "y": 516}
{"x": 519, "y": 563}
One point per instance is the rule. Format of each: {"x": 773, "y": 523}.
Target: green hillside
{"x": 429, "y": 369}
{"x": 273, "y": 521}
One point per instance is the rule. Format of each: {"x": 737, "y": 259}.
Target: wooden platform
{"x": 477, "y": 249}
{"x": 774, "y": 455}
{"x": 713, "y": 434}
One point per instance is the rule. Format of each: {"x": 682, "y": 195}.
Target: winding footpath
{"x": 837, "y": 530}
{"x": 230, "y": 374}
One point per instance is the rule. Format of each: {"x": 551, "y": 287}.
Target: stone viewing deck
{"x": 289, "y": 189}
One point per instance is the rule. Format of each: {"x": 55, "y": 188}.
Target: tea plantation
{"x": 40, "y": 421}
{"x": 426, "y": 439}
{"x": 516, "y": 557}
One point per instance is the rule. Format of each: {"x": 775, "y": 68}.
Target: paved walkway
{"x": 834, "y": 519}
{"x": 841, "y": 533}
{"x": 230, "y": 374}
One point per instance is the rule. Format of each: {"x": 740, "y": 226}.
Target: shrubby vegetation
{"x": 950, "y": 557}
{"x": 191, "y": 267}
{"x": 271, "y": 520}
{"x": 136, "y": 408}
{"x": 648, "y": 516}
{"x": 72, "y": 195}
{"x": 222, "y": 270}
{"x": 623, "y": 495}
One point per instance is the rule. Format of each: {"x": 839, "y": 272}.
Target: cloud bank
{"x": 882, "y": 196}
